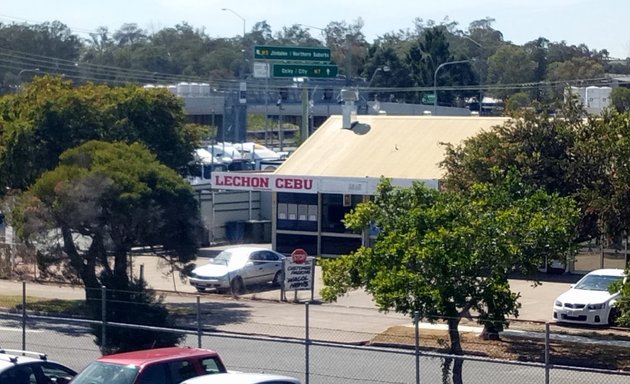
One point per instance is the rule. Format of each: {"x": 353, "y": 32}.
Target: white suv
{"x": 24, "y": 367}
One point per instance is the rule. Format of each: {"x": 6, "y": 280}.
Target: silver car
{"x": 239, "y": 267}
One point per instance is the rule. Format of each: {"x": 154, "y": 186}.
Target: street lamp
{"x": 19, "y": 75}
{"x": 481, "y": 49}
{"x": 382, "y": 68}
{"x": 237, "y": 15}
{"x": 435, "y": 79}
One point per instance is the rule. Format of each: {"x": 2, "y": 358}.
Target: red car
{"x": 151, "y": 366}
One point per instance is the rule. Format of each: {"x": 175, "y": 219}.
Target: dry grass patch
{"x": 509, "y": 347}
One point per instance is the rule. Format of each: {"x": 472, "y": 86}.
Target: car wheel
{"x": 612, "y": 316}
{"x": 277, "y": 279}
{"x": 237, "y": 285}
{"x": 201, "y": 289}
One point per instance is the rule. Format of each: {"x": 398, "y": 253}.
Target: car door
{"x": 270, "y": 265}
{"x": 253, "y": 270}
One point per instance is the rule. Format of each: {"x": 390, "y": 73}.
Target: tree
{"x": 386, "y": 52}
{"x": 52, "y": 47}
{"x": 577, "y": 68}
{"x": 443, "y": 255}
{"x": 620, "y": 99}
{"x": 129, "y": 34}
{"x": 543, "y": 149}
{"x": 85, "y": 216}
{"x": 50, "y": 116}
{"x": 348, "y": 46}
{"x": 510, "y": 66}
{"x": 623, "y": 302}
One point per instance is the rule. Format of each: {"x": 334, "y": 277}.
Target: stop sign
{"x": 299, "y": 256}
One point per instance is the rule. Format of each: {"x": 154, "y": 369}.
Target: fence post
{"x": 306, "y": 344}
{"x": 547, "y": 364}
{"x": 198, "y": 321}
{"x": 416, "y": 325}
{"x": 24, "y": 315}
{"x": 104, "y": 317}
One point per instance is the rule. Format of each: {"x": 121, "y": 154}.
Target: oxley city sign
{"x": 303, "y": 184}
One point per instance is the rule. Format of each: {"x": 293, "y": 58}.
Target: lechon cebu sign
{"x": 245, "y": 181}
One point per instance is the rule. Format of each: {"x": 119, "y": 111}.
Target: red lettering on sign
{"x": 288, "y": 183}
{"x": 241, "y": 181}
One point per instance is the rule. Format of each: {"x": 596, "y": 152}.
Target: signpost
{"x": 299, "y": 273}
{"x": 267, "y": 52}
{"x": 304, "y": 70}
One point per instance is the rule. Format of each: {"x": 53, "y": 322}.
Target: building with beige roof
{"x": 336, "y": 168}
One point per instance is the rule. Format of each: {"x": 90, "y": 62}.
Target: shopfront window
{"x": 334, "y": 208}
{"x": 297, "y": 212}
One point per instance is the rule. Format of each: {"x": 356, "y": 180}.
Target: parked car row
{"x": 173, "y": 365}
{"x": 224, "y": 157}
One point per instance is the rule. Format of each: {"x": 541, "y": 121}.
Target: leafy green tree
{"x": 444, "y": 255}
{"x": 517, "y": 102}
{"x": 543, "y": 149}
{"x": 510, "y": 66}
{"x": 99, "y": 202}
{"x": 296, "y": 35}
{"x": 620, "y": 99}
{"x": 50, "y": 116}
{"x": 27, "y": 47}
{"x": 602, "y": 152}
{"x": 348, "y": 46}
{"x": 386, "y": 68}
{"x": 622, "y": 306}
{"x": 577, "y": 68}
{"x": 129, "y": 34}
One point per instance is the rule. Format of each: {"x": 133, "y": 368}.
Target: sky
{"x": 600, "y": 24}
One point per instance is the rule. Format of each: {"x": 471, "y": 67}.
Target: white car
{"x": 242, "y": 378}
{"x": 589, "y": 301}
{"x": 25, "y": 367}
{"x": 237, "y": 267}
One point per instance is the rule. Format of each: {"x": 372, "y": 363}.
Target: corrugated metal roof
{"x": 406, "y": 147}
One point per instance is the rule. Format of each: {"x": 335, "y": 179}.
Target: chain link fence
{"x": 319, "y": 352}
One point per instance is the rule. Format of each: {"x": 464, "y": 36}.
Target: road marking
{"x": 19, "y": 330}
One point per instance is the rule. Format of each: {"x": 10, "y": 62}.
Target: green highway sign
{"x": 267, "y": 52}
{"x": 428, "y": 98}
{"x": 304, "y": 70}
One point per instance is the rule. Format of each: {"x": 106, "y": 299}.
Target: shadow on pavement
{"x": 564, "y": 277}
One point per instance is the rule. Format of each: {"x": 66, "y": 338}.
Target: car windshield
{"x": 107, "y": 373}
{"x": 227, "y": 257}
{"x": 597, "y": 282}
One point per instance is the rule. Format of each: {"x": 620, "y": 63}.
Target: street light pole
{"x": 435, "y": 79}
{"x": 382, "y": 68}
{"x": 481, "y": 49}
{"x": 19, "y": 75}
{"x": 237, "y": 15}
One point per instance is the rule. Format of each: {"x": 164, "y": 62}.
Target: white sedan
{"x": 589, "y": 301}
{"x": 242, "y": 378}
{"x": 237, "y": 267}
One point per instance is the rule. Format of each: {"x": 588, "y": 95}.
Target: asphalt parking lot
{"x": 537, "y": 301}
{"x": 355, "y": 311}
